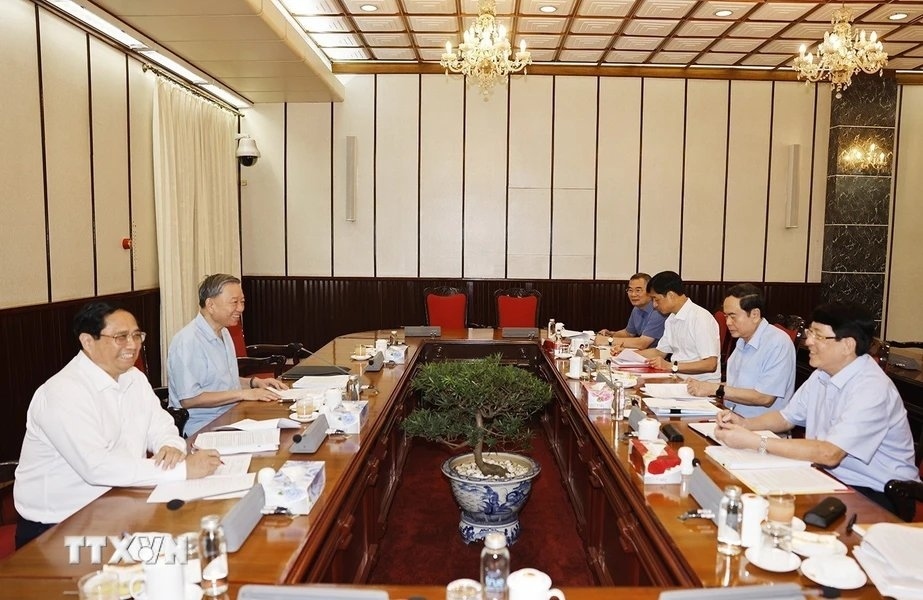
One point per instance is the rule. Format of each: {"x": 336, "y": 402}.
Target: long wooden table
{"x": 631, "y": 532}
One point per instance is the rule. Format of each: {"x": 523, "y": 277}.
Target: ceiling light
{"x": 369, "y": 7}
{"x": 484, "y": 55}
{"x": 97, "y": 23}
{"x": 173, "y": 66}
{"x": 548, "y": 9}
{"x": 898, "y": 16}
{"x": 724, "y": 13}
{"x": 232, "y": 99}
{"x": 842, "y": 54}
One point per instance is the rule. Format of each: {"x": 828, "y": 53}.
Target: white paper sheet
{"x": 192, "y": 489}
{"x": 319, "y": 385}
{"x": 745, "y": 458}
{"x": 670, "y": 406}
{"x": 793, "y": 480}
{"x": 237, "y": 442}
{"x": 708, "y": 430}
{"x": 667, "y": 390}
{"x": 254, "y": 425}
{"x": 629, "y": 357}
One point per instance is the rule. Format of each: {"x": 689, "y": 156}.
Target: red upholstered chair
{"x": 517, "y": 307}
{"x": 790, "y": 332}
{"x": 727, "y": 341}
{"x": 446, "y": 307}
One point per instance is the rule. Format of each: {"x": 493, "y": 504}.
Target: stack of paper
{"x": 765, "y": 473}
{"x": 890, "y": 554}
{"x": 667, "y": 390}
{"x": 708, "y": 430}
{"x": 254, "y": 425}
{"x": 629, "y": 358}
{"x": 231, "y": 480}
{"x": 319, "y": 385}
{"x": 663, "y": 407}
{"x": 236, "y": 442}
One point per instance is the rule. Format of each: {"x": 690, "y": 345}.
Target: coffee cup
{"x": 99, "y": 585}
{"x": 381, "y": 345}
{"x": 532, "y": 584}
{"x": 576, "y": 367}
{"x": 463, "y": 589}
{"x": 162, "y": 580}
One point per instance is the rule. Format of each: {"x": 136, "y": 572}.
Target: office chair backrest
{"x": 446, "y": 307}
{"x": 517, "y": 307}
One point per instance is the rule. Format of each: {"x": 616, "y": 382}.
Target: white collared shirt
{"x": 692, "y": 334}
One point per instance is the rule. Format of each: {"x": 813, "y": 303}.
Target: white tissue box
{"x": 396, "y": 354}
{"x": 598, "y": 395}
{"x": 349, "y": 417}
{"x": 296, "y": 486}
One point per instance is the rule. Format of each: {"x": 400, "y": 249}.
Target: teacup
{"x": 162, "y": 580}
{"x": 532, "y": 584}
{"x": 463, "y": 589}
{"x": 99, "y": 585}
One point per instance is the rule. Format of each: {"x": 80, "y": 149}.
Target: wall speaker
{"x": 792, "y": 186}
{"x": 352, "y": 176}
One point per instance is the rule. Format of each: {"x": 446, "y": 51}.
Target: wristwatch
{"x": 762, "y": 449}
{"x": 719, "y": 393}
{"x": 675, "y": 367}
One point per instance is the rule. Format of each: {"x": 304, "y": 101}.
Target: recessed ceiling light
{"x": 898, "y": 16}
{"x": 548, "y": 9}
{"x": 369, "y": 7}
{"x": 724, "y": 13}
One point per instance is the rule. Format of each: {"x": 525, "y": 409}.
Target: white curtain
{"x": 195, "y": 200}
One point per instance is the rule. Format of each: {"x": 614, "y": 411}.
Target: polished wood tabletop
{"x": 281, "y": 548}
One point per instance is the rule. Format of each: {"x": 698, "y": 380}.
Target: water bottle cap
{"x": 495, "y": 540}
{"x": 210, "y": 521}
{"x": 732, "y": 491}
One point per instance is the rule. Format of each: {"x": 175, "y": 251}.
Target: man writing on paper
{"x": 855, "y": 422}
{"x": 91, "y": 425}
{"x": 761, "y": 370}
{"x": 690, "y": 342}
{"x": 645, "y": 325}
{"x": 201, "y": 363}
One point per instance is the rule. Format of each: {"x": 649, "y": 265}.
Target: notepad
{"x": 669, "y": 406}
{"x": 708, "y": 430}
{"x": 194, "y": 489}
{"x": 319, "y": 385}
{"x": 667, "y": 390}
{"x": 254, "y": 424}
{"x": 745, "y": 458}
{"x": 237, "y": 442}
{"x": 629, "y": 357}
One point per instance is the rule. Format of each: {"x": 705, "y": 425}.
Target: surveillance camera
{"x": 247, "y": 152}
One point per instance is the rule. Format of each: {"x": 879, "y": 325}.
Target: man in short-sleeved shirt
{"x": 761, "y": 370}
{"x": 645, "y": 325}
{"x": 201, "y": 363}
{"x": 855, "y": 423}
{"x": 690, "y": 342}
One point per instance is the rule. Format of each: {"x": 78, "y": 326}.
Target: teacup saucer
{"x": 192, "y": 592}
{"x": 836, "y": 571}
{"x": 309, "y": 419}
{"x": 773, "y": 559}
{"x": 359, "y": 356}
{"x": 569, "y": 376}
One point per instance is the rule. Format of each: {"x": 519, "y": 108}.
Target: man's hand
{"x": 659, "y": 363}
{"x": 701, "y": 388}
{"x": 259, "y": 394}
{"x": 728, "y": 418}
{"x": 270, "y": 382}
{"x": 736, "y": 436}
{"x": 202, "y": 464}
{"x": 168, "y": 457}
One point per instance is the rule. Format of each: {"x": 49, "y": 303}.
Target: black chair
{"x": 180, "y": 415}
{"x": 294, "y": 352}
{"x": 907, "y": 498}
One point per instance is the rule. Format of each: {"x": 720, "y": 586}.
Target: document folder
{"x": 314, "y": 371}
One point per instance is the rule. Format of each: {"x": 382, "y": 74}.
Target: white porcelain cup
{"x": 161, "y": 581}
{"x": 463, "y": 589}
{"x": 532, "y": 584}
{"x": 648, "y": 429}
{"x": 304, "y": 407}
{"x": 381, "y": 345}
{"x": 576, "y": 367}
{"x": 604, "y": 354}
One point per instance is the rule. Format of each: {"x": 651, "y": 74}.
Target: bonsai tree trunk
{"x": 485, "y": 467}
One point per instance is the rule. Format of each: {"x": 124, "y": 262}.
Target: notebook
{"x": 314, "y": 371}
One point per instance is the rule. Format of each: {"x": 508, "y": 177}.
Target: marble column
{"x": 859, "y": 170}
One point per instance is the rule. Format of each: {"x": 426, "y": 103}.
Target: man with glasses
{"x": 761, "y": 370}
{"x": 645, "y": 325}
{"x": 202, "y": 364}
{"x": 91, "y": 426}
{"x": 855, "y": 423}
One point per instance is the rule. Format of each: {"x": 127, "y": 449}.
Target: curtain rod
{"x": 189, "y": 88}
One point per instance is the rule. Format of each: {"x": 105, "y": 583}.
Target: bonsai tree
{"x": 477, "y": 403}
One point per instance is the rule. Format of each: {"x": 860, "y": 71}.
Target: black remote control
{"x": 671, "y": 433}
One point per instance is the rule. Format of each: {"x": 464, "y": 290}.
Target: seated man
{"x": 91, "y": 426}
{"x": 201, "y": 363}
{"x": 645, "y": 325}
{"x": 855, "y": 423}
{"x": 690, "y": 342}
{"x": 761, "y": 370}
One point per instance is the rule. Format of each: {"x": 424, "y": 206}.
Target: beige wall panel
{"x": 396, "y": 190}
{"x": 618, "y": 176}
{"x": 792, "y": 124}
{"x": 572, "y": 234}
{"x": 703, "y": 186}
{"x": 661, "y": 174}
{"x": 262, "y": 216}
{"x": 748, "y": 165}
{"x": 905, "y": 279}
{"x": 67, "y": 139}
{"x": 353, "y": 250}
{"x": 818, "y": 200}
{"x": 575, "y": 132}
{"x": 485, "y": 183}
{"x": 110, "y": 167}
{"x": 23, "y": 272}
{"x": 309, "y": 189}
{"x": 442, "y": 144}
{"x": 530, "y": 110}
{"x": 529, "y": 241}
{"x": 141, "y": 110}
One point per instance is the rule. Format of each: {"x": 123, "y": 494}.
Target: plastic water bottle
{"x": 730, "y": 521}
{"x": 213, "y": 554}
{"x": 618, "y": 400}
{"x": 495, "y": 566}
{"x": 550, "y": 328}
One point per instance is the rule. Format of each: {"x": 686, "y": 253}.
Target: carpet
{"x": 422, "y": 544}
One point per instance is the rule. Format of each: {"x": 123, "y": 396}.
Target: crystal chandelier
{"x": 842, "y": 54}
{"x": 485, "y": 54}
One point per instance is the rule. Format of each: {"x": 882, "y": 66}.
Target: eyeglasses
{"x": 122, "y": 338}
{"x": 810, "y": 333}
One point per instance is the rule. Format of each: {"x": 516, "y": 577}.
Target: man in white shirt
{"x": 92, "y": 425}
{"x": 690, "y": 342}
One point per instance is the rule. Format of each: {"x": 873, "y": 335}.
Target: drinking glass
{"x": 463, "y": 589}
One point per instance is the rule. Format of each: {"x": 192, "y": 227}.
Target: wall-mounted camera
{"x": 247, "y": 152}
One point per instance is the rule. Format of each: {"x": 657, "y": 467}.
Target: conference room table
{"x": 632, "y": 532}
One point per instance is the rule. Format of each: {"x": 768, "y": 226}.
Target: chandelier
{"x": 869, "y": 157}
{"x": 484, "y": 55}
{"x": 841, "y": 55}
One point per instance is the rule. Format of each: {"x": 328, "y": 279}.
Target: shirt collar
{"x": 757, "y": 336}
{"x": 98, "y": 377}
{"x": 845, "y": 374}
{"x": 204, "y": 328}
{"x": 683, "y": 312}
